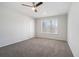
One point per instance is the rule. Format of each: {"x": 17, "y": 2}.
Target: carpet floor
{"x": 37, "y": 47}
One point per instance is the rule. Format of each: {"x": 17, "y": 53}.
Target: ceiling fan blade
{"x": 27, "y": 5}
{"x": 39, "y": 4}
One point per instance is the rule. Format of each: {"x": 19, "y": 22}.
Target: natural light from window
{"x": 49, "y": 26}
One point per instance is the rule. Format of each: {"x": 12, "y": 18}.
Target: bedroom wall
{"x": 14, "y": 27}
{"x": 73, "y": 29}
{"x": 62, "y": 28}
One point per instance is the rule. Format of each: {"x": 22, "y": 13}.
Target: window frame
{"x": 50, "y": 26}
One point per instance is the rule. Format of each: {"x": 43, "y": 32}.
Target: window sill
{"x": 50, "y": 33}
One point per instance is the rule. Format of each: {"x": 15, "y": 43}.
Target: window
{"x": 50, "y": 26}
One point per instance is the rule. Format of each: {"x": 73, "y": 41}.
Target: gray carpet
{"x": 37, "y": 47}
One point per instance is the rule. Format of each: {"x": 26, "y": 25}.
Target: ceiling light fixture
{"x": 34, "y": 9}
{"x": 34, "y": 6}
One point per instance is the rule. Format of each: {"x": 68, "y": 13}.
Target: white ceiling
{"x": 46, "y": 9}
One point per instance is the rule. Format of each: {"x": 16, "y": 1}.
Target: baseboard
{"x": 51, "y": 39}
{"x": 71, "y": 49}
{"x": 16, "y": 42}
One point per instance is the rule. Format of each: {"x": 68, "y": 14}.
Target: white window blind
{"x": 50, "y": 26}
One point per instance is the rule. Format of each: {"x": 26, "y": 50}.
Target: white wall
{"x": 73, "y": 29}
{"x": 62, "y": 28}
{"x": 14, "y": 27}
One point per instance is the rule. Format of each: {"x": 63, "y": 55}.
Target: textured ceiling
{"x": 44, "y": 10}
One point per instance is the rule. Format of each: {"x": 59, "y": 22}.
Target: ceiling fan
{"x": 34, "y": 5}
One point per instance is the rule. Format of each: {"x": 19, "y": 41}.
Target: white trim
{"x": 47, "y": 32}
{"x": 50, "y": 33}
